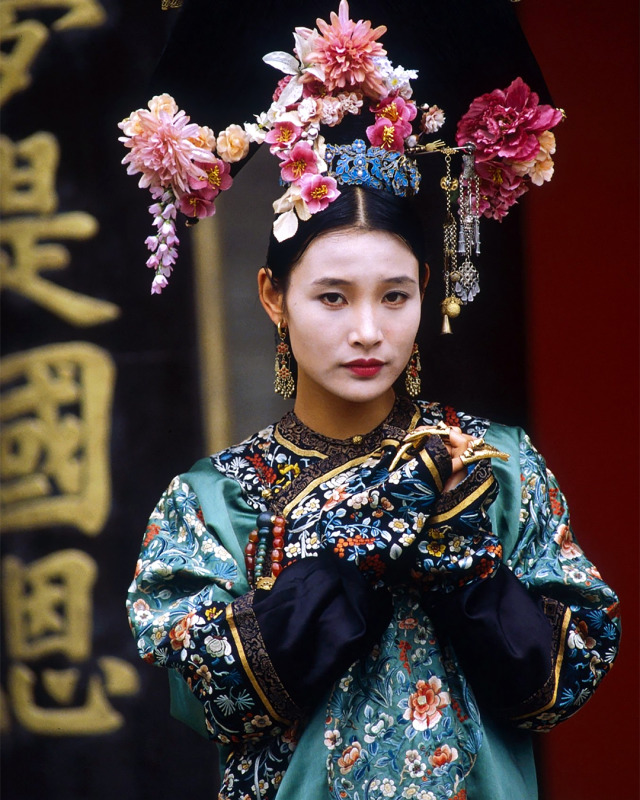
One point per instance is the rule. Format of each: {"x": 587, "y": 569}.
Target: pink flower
{"x": 425, "y": 704}
{"x": 199, "y": 203}
{"x": 386, "y": 135}
{"x": 507, "y": 123}
{"x": 163, "y": 149}
{"x": 500, "y": 188}
{"x": 346, "y": 51}
{"x": 282, "y": 136}
{"x": 282, "y": 83}
{"x": 331, "y": 113}
{"x": 214, "y": 177}
{"x": 299, "y": 160}
{"x": 432, "y": 119}
{"x": 318, "y": 191}
{"x": 398, "y": 111}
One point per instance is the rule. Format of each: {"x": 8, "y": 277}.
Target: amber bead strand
{"x": 256, "y": 556}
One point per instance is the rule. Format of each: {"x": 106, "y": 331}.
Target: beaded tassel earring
{"x": 412, "y": 376}
{"x": 284, "y": 384}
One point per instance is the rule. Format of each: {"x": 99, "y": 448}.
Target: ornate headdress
{"x": 340, "y": 70}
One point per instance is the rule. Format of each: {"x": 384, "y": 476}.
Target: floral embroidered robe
{"x": 402, "y": 721}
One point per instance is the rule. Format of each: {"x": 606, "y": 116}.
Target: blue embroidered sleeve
{"x": 184, "y": 617}
{"x": 549, "y": 562}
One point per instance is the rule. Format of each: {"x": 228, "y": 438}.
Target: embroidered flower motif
{"x": 564, "y": 538}
{"x": 388, "y": 787}
{"x": 217, "y": 646}
{"x": 179, "y": 635}
{"x": 332, "y": 739}
{"x": 425, "y": 703}
{"x": 261, "y": 721}
{"x": 579, "y": 637}
{"x": 349, "y": 756}
{"x": 443, "y": 755}
{"x": 141, "y": 611}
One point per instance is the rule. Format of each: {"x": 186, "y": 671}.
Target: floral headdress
{"x": 337, "y": 70}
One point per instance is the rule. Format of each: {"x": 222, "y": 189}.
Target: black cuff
{"x": 505, "y": 638}
{"x": 320, "y": 616}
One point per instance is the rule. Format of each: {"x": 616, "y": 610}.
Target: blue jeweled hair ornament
{"x": 373, "y": 167}
{"x": 340, "y": 70}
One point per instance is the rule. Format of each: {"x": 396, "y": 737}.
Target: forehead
{"x": 355, "y": 255}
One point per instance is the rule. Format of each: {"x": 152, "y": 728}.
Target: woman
{"x": 375, "y": 596}
{"x": 416, "y": 580}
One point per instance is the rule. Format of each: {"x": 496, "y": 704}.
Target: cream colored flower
{"x": 233, "y": 144}
{"x": 163, "y": 102}
{"x": 206, "y": 138}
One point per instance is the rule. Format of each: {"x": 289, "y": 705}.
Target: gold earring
{"x": 284, "y": 383}
{"x": 412, "y": 376}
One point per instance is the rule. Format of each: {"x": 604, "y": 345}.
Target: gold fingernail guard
{"x": 477, "y": 450}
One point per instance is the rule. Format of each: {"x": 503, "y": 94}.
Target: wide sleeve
{"x": 183, "y": 604}
{"x": 537, "y": 638}
{"x": 549, "y": 562}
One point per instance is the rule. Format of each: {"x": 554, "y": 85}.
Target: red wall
{"x": 582, "y": 262}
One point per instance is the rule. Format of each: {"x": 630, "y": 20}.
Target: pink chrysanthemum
{"x": 163, "y": 150}
{"x": 507, "y": 123}
{"x": 318, "y": 191}
{"x": 346, "y": 51}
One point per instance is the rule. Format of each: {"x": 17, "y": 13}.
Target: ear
{"x": 272, "y": 299}
{"x": 425, "y": 280}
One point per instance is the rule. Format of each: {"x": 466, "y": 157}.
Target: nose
{"x": 365, "y": 329}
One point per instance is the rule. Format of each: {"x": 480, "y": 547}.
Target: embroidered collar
{"x": 297, "y": 437}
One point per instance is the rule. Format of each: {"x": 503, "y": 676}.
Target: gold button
{"x": 357, "y": 439}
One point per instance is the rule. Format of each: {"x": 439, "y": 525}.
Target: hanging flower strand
{"x": 177, "y": 162}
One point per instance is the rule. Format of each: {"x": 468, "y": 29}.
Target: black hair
{"x": 356, "y": 208}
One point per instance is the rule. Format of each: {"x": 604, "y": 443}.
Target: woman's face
{"x": 353, "y": 309}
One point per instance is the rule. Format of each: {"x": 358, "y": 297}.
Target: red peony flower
{"x": 500, "y": 188}
{"x": 506, "y": 123}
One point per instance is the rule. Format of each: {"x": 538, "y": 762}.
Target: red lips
{"x": 365, "y": 367}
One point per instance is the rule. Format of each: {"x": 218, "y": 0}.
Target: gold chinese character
{"x": 48, "y": 605}
{"x": 22, "y": 40}
{"x": 29, "y": 172}
{"x": 28, "y": 244}
{"x": 48, "y": 608}
{"x": 54, "y": 441}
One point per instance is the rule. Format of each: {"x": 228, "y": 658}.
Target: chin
{"x": 361, "y": 392}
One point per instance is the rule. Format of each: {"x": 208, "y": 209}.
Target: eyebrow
{"x": 401, "y": 280}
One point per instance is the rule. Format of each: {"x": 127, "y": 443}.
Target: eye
{"x": 333, "y": 299}
{"x": 395, "y": 298}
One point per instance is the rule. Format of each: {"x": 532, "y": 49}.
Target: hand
{"x": 457, "y": 444}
